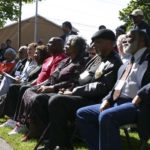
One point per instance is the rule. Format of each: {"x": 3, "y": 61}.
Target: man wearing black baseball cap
{"x": 104, "y": 42}
{"x": 62, "y": 107}
{"x": 104, "y": 34}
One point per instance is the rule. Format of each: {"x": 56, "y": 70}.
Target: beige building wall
{"x": 46, "y": 30}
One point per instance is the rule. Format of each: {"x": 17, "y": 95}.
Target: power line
{"x": 81, "y": 24}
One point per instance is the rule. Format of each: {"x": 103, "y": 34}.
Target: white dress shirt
{"x": 131, "y": 86}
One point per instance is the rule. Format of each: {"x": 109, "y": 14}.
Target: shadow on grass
{"x": 134, "y": 140}
{"x": 78, "y": 143}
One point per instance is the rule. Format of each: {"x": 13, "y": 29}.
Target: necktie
{"x": 121, "y": 82}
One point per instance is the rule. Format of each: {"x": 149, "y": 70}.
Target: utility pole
{"x": 36, "y": 23}
{"x": 19, "y": 23}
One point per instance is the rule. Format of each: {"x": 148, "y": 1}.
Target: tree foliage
{"x": 144, "y": 5}
{"x": 9, "y": 9}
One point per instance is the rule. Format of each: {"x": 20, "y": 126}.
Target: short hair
{"x": 23, "y": 48}
{"x": 121, "y": 29}
{"x": 79, "y": 43}
{"x": 33, "y": 44}
{"x": 59, "y": 43}
{"x": 67, "y": 24}
{"x": 10, "y": 51}
{"x": 143, "y": 35}
{"x": 102, "y": 27}
{"x": 43, "y": 52}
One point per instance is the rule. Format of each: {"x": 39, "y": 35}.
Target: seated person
{"x": 91, "y": 51}
{"x": 64, "y": 77}
{"x": 59, "y": 109}
{"x": 40, "y": 55}
{"x": 121, "y": 44}
{"x": 22, "y": 77}
{"x": 8, "y": 64}
{"x": 21, "y": 60}
{"x": 56, "y": 54}
{"x": 127, "y": 103}
{"x": 62, "y": 108}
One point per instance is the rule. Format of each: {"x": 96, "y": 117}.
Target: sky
{"x": 85, "y": 15}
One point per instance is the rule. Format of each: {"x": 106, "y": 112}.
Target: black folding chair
{"x": 143, "y": 142}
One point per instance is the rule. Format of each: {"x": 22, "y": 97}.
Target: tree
{"x": 144, "y": 5}
{"x": 9, "y": 9}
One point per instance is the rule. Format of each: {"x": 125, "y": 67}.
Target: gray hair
{"x": 23, "y": 47}
{"x": 10, "y": 51}
{"x": 79, "y": 43}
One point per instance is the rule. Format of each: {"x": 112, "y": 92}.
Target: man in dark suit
{"x": 62, "y": 107}
{"x": 22, "y": 58}
{"x": 99, "y": 124}
{"x": 143, "y": 97}
{"x": 67, "y": 29}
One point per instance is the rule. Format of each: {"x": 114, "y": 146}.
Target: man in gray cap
{"x": 138, "y": 19}
{"x": 62, "y": 107}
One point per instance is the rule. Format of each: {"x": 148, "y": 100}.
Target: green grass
{"x": 15, "y": 141}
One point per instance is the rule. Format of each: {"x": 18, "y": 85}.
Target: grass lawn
{"x": 15, "y": 141}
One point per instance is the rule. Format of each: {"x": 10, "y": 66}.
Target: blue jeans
{"x": 101, "y": 130}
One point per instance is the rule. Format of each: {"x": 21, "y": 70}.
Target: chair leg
{"x": 143, "y": 144}
{"x": 142, "y": 147}
{"x": 128, "y": 138}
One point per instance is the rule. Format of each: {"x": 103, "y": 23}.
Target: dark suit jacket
{"x": 143, "y": 26}
{"x": 90, "y": 67}
{"x": 98, "y": 88}
{"x": 142, "y": 80}
{"x": 34, "y": 73}
{"x": 65, "y": 35}
{"x": 67, "y": 73}
{"x": 19, "y": 66}
{"x": 144, "y": 94}
{"x": 143, "y": 77}
{"x": 144, "y": 115}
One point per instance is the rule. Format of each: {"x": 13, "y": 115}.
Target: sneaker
{"x": 43, "y": 148}
{"x": 9, "y": 123}
{"x": 19, "y": 128}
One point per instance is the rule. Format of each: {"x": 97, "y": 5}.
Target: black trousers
{"x": 34, "y": 107}
{"x": 33, "y": 111}
{"x": 61, "y": 113}
{"x": 13, "y": 98}
{"x": 22, "y": 90}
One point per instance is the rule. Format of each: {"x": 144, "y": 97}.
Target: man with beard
{"x": 126, "y": 103}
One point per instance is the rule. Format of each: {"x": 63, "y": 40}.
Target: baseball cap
{"x": 104, "y": 34}
{"x": 137, "y": 12}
